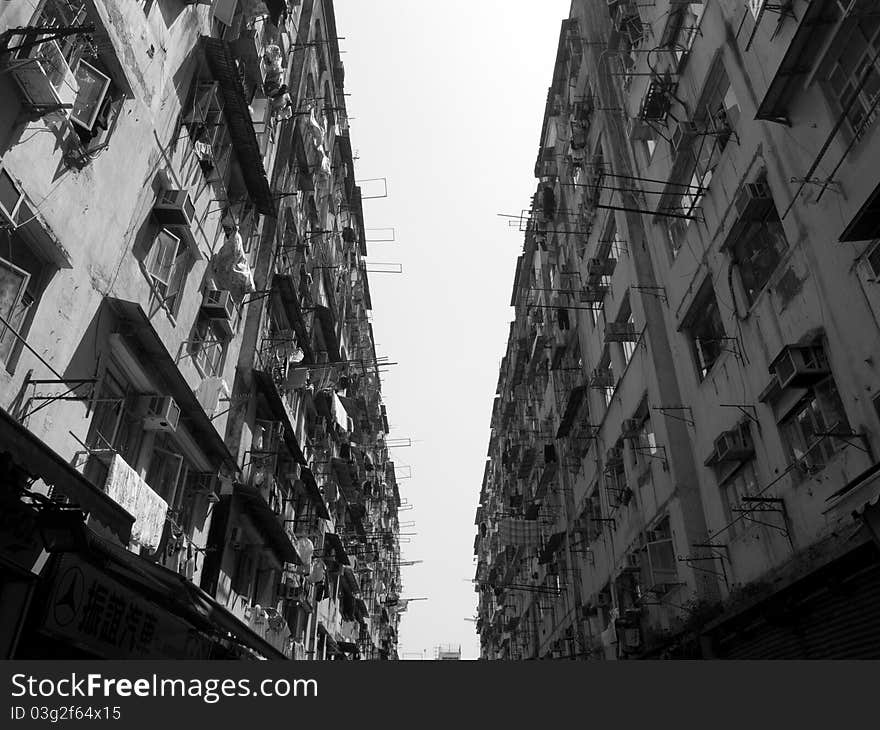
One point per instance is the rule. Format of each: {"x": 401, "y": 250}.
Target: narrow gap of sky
{"x": 447, "y": 101}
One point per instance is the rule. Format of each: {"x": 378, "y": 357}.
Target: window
{"x": 705, "y": 329}
{"x": 716, "y": 116}
{"x": 741, "y": 483}
{"x": 662, "y": 558}
{"x": 805, "y": 430}
{"x": 166, "y": 265}
{"x": 75, "y": 62}
{"x": 627, "y": 348}
{"x": 757, "y": 252}
{"x": 165, "y": 469}
{"x": 206, "y": 123}
{"x": 115, "y": 427}
{"x": 24, "y": 274}
{"x": 682, "y": 28}
{"x": 854, "y": 57}
{"x": 209, "y": 348}
{"x": 607, "y": 390}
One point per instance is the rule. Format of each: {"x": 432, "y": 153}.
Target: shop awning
{"x": 33, "y": 456}
{"x": 280, "y": 412}
{"x": 153, "y": 351}
{"x": 334, "y": 543}
{"x": 269, "y": 523}
{"x": 179, "y": 595}
{"x": 241, "y": 127}
{"x": 308, "y": 478}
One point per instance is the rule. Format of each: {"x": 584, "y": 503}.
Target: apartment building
{"x": 192, "y": 423}
{"x": 682, "y": 451}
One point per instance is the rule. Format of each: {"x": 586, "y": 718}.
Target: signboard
{"x": 94, "y": 611}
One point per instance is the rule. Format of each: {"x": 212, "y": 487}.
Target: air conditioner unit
{"x": 218, "y": 304}
{"x": 754, "y": 202}
{"x": 683, "y": 133}
{"x": 174, "y": 208}
{"x": 621, "y": 332}
{"x": 602, "y": 378}
{"x": 631, "y": 427}
{"x": 798, "y": 366}
{"x": 163, "y": 414}
{"x": 734, "y": 445}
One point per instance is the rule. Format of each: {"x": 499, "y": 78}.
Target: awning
{"x": 796, "y": 62}
{"x": 241, "y": 127}
{"x": 334, "y": 542}
{"x": 571, "y": 411}
{"x": 308, "y": 478}
{"x": 280, "y": 412}
{"x": 546, "y": 478}
{"x": 269, "y": 523}
{"x": 285, "y": 291}
{"x": 37, "y": 459}
{"x": 361, "y": 612}
{"x": 346, "y": 476}
{"x": 328, "y": 329}
{"x": 350, "y": 581}
{"x": 201, "y": 427}
{"x": 553, "y": 544}
{"x": 176, "y": 592}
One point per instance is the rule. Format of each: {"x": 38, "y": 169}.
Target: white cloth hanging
{"x": 125, "y": 487}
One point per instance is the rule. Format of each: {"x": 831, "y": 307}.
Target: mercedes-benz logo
{"x": 68, "y": 596}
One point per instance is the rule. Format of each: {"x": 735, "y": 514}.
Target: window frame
{"x": 801, "y": 451}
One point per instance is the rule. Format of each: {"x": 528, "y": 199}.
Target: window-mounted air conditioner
{"x": 602, "y": 378}
{"x": 163, "y": 414}
{"x": 218, "y": 304}
{"x": 798, "y": 366}
{"x": 631, "y": 428}
{"x": 754, "y": 202}
{"x": 174, "y": 208}
{"x": 734, "y": 445}
{"x": 621, "y": 332}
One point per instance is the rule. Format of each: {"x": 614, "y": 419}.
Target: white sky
{"x": 447, "y": 100}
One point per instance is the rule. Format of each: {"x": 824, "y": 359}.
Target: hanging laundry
{"x": 230, "y": 268}
{"x": 125, "y": 487}
{"x": 209, "y": 393}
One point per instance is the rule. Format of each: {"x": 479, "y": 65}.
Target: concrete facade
{"x": 183, "y": 261}
{"x": 705, "y": 176}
